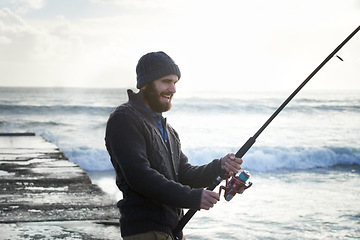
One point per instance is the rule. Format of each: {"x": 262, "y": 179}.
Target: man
{"x": 152, "y": 172}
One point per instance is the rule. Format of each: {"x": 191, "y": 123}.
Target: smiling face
{"x": 158, "y": 93}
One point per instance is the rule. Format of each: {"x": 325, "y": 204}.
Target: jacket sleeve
{"x": 198, "y": 176}
{"x": 127, "y": 147}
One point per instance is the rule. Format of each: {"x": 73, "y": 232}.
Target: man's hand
{"x": 208, "y": 199}
{"x": 231, "y": 164}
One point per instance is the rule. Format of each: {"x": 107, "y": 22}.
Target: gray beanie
{"x": 153, "y": 66}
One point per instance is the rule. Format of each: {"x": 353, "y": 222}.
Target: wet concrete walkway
{"x": 45, "y": 196}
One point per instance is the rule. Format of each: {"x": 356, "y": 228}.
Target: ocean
{"x": 305, "y": 166}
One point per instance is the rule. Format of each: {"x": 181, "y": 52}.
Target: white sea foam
{"x": 318, "y": 129}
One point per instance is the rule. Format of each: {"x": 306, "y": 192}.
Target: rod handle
{"x": 245, "y": 147}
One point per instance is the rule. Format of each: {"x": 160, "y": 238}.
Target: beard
{"x": 152, "y": 97}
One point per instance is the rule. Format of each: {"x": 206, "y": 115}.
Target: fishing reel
{"x": 237, "y": 184}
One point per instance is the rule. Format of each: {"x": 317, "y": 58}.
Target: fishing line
{"x": 250, "y": 142}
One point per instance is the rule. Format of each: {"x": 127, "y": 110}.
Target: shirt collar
{"x": 155, "y": 115}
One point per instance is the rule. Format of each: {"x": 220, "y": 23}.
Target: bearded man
{"x": 153, "y": 173}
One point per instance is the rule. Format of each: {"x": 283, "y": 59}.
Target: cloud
{"x": 60, "y": 52}
{"x": 4, "y": 40}
{"x": 17, "y": 35}
{"x": 29, "y": 51}
{"x": 137, "y": 3}
{"x": 209, "y": 40}
{"x": 23, "y": 6}
{"x": 25, "y": 42}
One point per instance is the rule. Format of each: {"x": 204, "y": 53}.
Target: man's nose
{"x": 172, "y": 88}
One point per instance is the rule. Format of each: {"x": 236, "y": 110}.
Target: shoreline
{"x": 106, "y": 181}
{"x": 44, "y": 195}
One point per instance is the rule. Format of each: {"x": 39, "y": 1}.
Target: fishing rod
{"x": 242, "y": 178}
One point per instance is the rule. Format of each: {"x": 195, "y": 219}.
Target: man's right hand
{"x": 208, "y": 199}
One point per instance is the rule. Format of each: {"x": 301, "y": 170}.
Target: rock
{"x": 39, "y": 184}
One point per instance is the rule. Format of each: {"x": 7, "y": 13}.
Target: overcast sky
{"x": 218, "y": 45}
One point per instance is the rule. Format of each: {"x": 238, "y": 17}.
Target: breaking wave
{"x": 259, "y": 159}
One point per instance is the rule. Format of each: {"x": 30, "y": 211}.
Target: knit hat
{"x": 153, "y": 66}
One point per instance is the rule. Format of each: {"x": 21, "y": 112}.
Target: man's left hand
{"x": 231, "y": 164}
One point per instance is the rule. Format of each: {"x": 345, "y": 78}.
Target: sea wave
{"x": 308, "y": 158}
{"x": 51, "y": 109}
{"x": 89, "y": 159}
{"x": 196, "y": 105}
{"x": 259, "y": 159}
{"x": 272, "y": 158}
{"x": 74, "y": 118}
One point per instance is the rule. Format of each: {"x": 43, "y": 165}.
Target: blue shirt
{"x": 160, "y": 122}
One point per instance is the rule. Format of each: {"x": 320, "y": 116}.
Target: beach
{"x": 304, "y": 167}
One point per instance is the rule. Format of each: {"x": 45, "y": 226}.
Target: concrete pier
{"x": 45, "y": 196}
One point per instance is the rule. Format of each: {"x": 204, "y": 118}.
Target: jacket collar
{"x": 137, "y": 101}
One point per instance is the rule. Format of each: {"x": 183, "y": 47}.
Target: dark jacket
{"x": 156, "y": 182}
